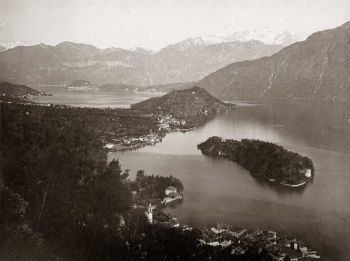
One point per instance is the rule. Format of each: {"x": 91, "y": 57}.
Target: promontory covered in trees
{"x": 262, "y": 159}
{"x": 192, "y": 106}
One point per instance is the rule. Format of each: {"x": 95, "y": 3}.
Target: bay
{"x": 222, "y": 191}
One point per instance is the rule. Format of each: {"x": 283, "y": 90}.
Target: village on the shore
{"x": 237, "y": 242}
{"x": 166, "y": 123}
{"x": 224, "y": 237}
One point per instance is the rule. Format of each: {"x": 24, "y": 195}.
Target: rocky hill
{"x": 317, "y": 68}
{"x": 194, "y": 105}
{"x": 181, "y": 62}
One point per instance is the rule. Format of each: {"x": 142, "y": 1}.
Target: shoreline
{"x": 176, "y": 200}
{"x": 296, "y": 185}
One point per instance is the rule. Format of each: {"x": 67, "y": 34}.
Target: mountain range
{"x": 189, "y": 60}
{"x": 317, "y": 68}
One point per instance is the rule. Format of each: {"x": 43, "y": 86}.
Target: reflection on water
{"x": 222, "y": 191}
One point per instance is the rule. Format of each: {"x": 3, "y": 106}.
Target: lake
{"x": 91, "y": 98}
{"x": 221, "y": 191}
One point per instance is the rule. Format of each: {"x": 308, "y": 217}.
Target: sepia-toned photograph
{"x": 174, "y": 130}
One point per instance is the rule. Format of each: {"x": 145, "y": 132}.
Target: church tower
{"x": 149, "y": 213}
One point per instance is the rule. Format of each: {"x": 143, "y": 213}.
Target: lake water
{"x": 91, "y": 98}
{"x": 221, "y": 191}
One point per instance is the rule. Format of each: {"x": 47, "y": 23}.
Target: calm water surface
{"x": 91, "y": 98}
{"x": 221, "y": 191}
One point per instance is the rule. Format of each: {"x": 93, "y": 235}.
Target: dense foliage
{"x": 60, "y": 200}
{"x": 194, "y": 105}
{"x": 262, "y": 159}
{"x": 153, "y": 187}
{"x": 56, "y": 165}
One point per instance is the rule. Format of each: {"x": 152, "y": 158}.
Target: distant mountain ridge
{"x": 8, "y": 45}
{"x": 192, "y": 59}
{"x": 181, "y": 62}
{"x": 317, "y": 68}
{"x": 265, "y": 35}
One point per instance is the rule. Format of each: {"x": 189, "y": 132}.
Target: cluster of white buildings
{"x": 239, "y": 242}
{"x": 299, "y": 247}
{"x": 171, "y": 195}
{"x": 81, "y": 85}
{"x": 133, "y": 142}
{"x": 168, "y": 123}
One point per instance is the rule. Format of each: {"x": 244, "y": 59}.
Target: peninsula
{"x": 146, "y": 123}
{"x": 187, "y": 108}
{"x": 14, "y": 91}
{"x": 262, "y": 159}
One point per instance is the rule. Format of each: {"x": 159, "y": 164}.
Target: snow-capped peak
{"x": 10, "y": 45}
{"x": 265, "y": 35}
{"x": 138, "y": 49}
{"x": 189, "y": 43}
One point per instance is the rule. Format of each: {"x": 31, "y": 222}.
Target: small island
{"x": 262, "y": 159}
{"x": 81, "y": 85}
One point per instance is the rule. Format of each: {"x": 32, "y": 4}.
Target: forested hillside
{"x": 61, "y": 200}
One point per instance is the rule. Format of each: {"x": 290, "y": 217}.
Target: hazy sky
{"x": 156, "y": 23}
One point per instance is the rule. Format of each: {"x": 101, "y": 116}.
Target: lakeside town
{"x": 159, "y": 124}
{"x": 144, "y": 124}
{"x": 118, "y": 129}
{"x": 221, "y": 236}
{"x": 224, "y": 238}
{"x": 166, "y": 123}
{"x": 278, "y": 246}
